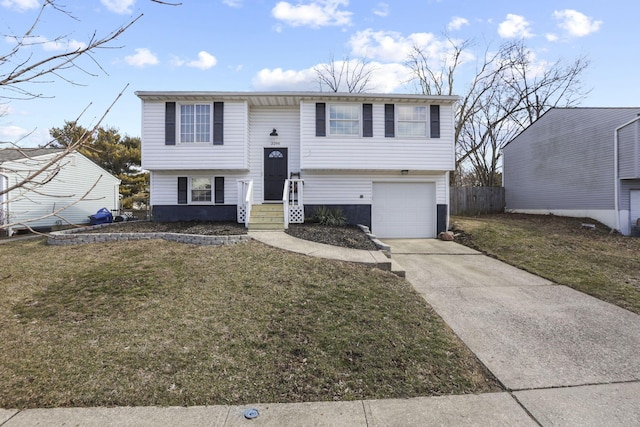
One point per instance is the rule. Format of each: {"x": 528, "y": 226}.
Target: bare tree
{"x": 348, "y": 75}
{"x": 23, "y": 74}
{"x": 508, "y": 91}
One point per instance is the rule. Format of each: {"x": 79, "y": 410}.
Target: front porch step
{"x": 267, "y": 217}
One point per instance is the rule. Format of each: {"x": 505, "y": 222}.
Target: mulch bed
{"x": 347, "y": 236}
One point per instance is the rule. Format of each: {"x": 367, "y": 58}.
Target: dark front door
{"x": 275, "y": 172}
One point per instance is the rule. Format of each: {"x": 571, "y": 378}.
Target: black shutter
{"x": 435, "y": 121}
{"x": 321, "y": 119}
{"x": 389, "y": 121}
{"x": 219, "y": 189}
{"x": 170, "y": 123}
{"x": 218, "y": 123}
{"x": 182, "y": 190}
{"x": 367, "y": 120}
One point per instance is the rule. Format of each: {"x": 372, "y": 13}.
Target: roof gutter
{"x": 616, "y": 174}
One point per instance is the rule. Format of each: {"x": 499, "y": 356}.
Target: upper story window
{"x": 191, "y": 123}
{"x": 195, "y": 123}
{"x": 412, "y": 120}
{"x": 344, "y": 119}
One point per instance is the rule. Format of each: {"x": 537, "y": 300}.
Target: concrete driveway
{"x": 533, "y": 335}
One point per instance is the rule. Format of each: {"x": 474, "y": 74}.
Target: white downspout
{"x": 616, "y": 183}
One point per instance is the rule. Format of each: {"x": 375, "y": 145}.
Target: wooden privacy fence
{"x": 468, "y": 201}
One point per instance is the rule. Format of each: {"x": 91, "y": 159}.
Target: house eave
{"x": 284, "y": 99}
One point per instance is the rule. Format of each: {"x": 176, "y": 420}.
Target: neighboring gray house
{"x": 580, "y": 162}
{"x": 72, "y": 188}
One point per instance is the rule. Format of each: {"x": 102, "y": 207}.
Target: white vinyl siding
{"x": 66, "y": 189}
{"x": 232, "y": 155}
{"x": 338, "y": 189}
{"x": 377, "y": 152}
{"x": 262, "y": 121}
{"x": 164, "y": 186}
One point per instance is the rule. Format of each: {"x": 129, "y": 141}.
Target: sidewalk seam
{"x": 524, "y": 408}
{"x": 11, "y": 417}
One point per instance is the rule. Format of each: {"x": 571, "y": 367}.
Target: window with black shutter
{"x": 321, "y": 119}
{"x": 182, "y": 190}
{"x": 367, "y": 120}
{"x": 389, "y": 121}
{"x": 218, "y": 123}
{"x": 170, "y": 123}
{"x": 435, "y": 121}
{"x": 219, "y": 189}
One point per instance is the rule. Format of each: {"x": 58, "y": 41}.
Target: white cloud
{"x": 233, "y": 3}
{"x": 390, "y": 46}
{"x": 12, "y": 133}
{"x": 317, "y": 13}
{"x": 5, "y": 110}
{"x": 382, "y": 9}
{"x": 63, "y": 45}
{"x": 575, "y": 23}
{"x": 515, "y": 26}
{"x": 141, "y": 58}
{"x": 204, "y": 62}
{"x": 456, "y": 23}
{"x": 119, "y": 6}
{"x": 278, "y": 79}
{"x": 552, "y": 37}
{"x": 20, "y": 5}
{"x": 385, "y": 78}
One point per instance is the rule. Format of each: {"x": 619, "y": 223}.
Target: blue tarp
{"x": 103, "y": 216}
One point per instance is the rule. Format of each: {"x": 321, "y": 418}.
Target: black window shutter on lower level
{"x": 182, "y": 190}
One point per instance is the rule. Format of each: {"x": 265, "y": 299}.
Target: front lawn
{"x": 596, "y": 262}
{"x": 161, "y": 323}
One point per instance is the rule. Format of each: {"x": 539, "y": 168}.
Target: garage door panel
{"x": 403, "y": 210}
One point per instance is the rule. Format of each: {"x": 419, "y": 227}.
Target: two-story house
{"x": 383, "y": 159}
{"x": 580, "y": 162}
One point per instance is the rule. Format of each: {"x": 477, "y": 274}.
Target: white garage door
{"x": 403, "y": 209}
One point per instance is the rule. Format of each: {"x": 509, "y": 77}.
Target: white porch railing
{"x": 245, "y": 201}
{"x": 293, "y": 202}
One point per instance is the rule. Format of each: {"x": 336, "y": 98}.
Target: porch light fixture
{"x": 273, "y": 137}
{"x": 274, "y": 132}
{"x": 404, "y": 172}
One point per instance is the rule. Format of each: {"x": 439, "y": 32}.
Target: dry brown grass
{"x": 558, "y": 248}
{"x": 160, "y": 323}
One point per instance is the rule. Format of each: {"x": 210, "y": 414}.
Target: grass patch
{"x": 596, "y": 262}
{"x": 161, "y": 323}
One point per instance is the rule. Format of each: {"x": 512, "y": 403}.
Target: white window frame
{"x": 357, "y": 108}
{"x": 398, "y": 131}
{"x": 190, "y": 190}
{"x": 195, "y": 124}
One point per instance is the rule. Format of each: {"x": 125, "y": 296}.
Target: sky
{"x": 270, "y": 45}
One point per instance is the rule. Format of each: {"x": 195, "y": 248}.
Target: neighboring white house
{"x": 581, "y": 162}
{"x": 384, "y": 159}
{"x": 64, "y": 189}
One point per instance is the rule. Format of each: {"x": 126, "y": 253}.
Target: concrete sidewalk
{"x": 495, "y": 409}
